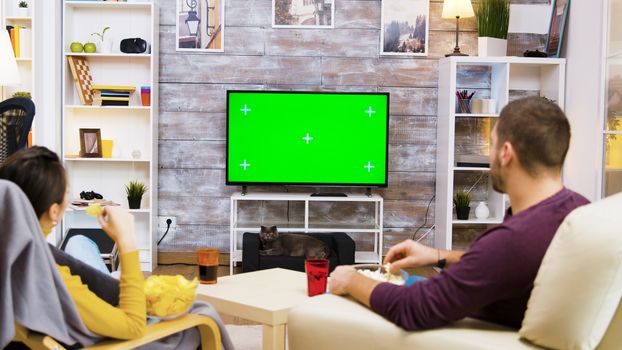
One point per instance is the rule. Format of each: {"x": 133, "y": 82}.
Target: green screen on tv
{"x": 298, "y": 138}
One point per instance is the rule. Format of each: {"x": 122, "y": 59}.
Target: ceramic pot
{"x": 134, "y": 203}
{"x": 463, "y": 213}
{"x": 491, "y": 47}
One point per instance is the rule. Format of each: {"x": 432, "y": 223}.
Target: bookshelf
{"x": 132, "y": 128}
{"x": 501, "y": 79}
{"x": 10, "y": 16}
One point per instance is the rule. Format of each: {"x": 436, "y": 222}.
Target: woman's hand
{"x": 119, "y": 225}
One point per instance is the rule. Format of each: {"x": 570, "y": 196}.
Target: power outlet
{"x": 162, "y": 223}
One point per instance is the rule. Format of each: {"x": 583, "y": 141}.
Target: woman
{"x": 41, "y": 176}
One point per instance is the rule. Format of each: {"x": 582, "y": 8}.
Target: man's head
{"x": 534, "y": 134}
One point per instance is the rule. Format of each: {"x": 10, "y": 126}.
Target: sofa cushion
{"x": 579, "y": 284}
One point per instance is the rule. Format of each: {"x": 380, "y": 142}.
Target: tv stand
{"x": 328, "y": 194}
{"x": 370, "y": 230}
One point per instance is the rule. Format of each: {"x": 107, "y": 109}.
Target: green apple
{"x": 76, "y": 47}
{"x": 90, "y": 48}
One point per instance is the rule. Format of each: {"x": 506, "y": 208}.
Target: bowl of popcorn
{"x": 169, "y": 297}
{"x": 380, "y": 273}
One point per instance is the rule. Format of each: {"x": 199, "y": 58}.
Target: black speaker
{"x": 133, "y": 45}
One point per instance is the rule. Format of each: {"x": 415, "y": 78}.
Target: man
{"x": 494, "y": 278}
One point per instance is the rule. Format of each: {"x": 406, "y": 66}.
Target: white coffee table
{"x": 262, "y": 296}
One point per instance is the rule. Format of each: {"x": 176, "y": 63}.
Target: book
{"x": 16, "y": 32}
{"x": 106, "y": 93}
{"x": 115, "y": 103}
{"x": 25, "y": 43}
{"x": 114, "y": 87}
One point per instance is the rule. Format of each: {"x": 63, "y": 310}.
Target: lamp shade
{"x": 457, "y": 8}
{"x": 9, "y": 75}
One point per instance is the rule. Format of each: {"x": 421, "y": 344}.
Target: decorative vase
{"x": 463, "y": 213}
{"x": 134, "y": 203}
{"x": 491, "y": 47}
{"x": 105, "y": 46}
{"x": 22, "y": 11}
{"x": 482, "y": 211}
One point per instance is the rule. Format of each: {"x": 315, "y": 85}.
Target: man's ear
{"x": 507, "y": 154}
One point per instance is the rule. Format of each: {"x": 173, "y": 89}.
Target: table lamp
{"x": 9, "y": 74}
{"x": 457, "y": 9}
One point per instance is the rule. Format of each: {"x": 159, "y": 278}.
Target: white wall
{"x": 583, "y": 49}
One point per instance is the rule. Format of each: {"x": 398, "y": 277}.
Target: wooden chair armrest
{"x": 210, "y": 333}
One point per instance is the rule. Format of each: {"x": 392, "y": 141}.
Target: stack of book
{"x": 21, "y": 41}
{"x": 111, "y": 95}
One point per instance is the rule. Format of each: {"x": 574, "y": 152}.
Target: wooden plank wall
{"x": 192, "y": 112}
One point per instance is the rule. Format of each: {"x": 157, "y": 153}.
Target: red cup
{"x": 317, "y": 274}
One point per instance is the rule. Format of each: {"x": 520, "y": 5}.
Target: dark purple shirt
{"x": 492, "y": 281}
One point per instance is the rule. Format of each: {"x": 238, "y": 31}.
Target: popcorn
{"x": 94, "y": 210}
{"x": 378, "y": 275}
{"x": 169, "y": 295}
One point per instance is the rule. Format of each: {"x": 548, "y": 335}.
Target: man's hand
{"x": 340, "y": 279}
{"x": 346, "y": 280}
{"x": 410, "y": 254}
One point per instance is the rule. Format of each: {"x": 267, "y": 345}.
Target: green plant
{"x": 135, "y": 190}
{"x": 22, "y": 94}
{"x": 101, "y": 35}
{"x": 462, "y": 199}
{"x": 493, "y": 18}
{"x": 23, "y": 4}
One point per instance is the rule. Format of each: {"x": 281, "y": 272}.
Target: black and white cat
{"x": 291, "y": 244}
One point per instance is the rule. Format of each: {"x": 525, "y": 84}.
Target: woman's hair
{"x": 40, "y": 174}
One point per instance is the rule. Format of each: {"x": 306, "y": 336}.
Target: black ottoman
{"x": 340, "y": 244}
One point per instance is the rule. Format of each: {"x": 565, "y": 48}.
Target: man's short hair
{"x": 539, "y": 132}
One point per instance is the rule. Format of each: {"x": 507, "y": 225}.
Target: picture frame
{"x": 557, "y": 26}
{"x": 405, "y": 27}
{"x": 200, "y": 25}
{"x": 304, "y": 14}
{"x": 90, "y": 143}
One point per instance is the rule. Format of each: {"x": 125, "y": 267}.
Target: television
{"x": 307, "y": 138}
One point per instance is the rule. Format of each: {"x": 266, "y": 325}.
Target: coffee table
{"x": 261, "y": 296}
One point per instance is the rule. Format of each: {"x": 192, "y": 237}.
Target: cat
{"x": 291, "y": 244}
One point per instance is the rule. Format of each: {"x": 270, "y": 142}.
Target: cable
{"x": 426, "y": 233}
{"x": 168, "y": 226}
{"x": 425, "y": 219}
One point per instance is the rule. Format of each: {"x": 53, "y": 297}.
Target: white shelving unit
{"x": 532, "y": 76}
{"x": 26, "y": 61}
{"x": 132, "y": 128}
{"x": 376, "y": 227}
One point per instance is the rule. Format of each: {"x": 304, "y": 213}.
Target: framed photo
{"x": 556, "y": 28}
{"x": 404, "y": 27}
{"x": 90, "y": 143}
{"x": 303, "y": 13}
{"x": 200, "y": 25}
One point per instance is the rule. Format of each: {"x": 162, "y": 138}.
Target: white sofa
{"x": 575, "y": 303}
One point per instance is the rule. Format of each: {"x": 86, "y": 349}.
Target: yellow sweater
{"x": 128, "y": 320}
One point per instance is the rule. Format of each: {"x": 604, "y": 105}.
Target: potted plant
{"x": 22, "y": 9}
{"x": 462, "y": 199}
{"x": 135, "y": 191}
{"x": 493, "y": 18}
{"x": 104, "y": 45}
{"x": 24, "y": 94}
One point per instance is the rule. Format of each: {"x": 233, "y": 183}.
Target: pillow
{"x": 579, "y": 284}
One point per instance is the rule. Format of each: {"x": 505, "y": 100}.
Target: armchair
{"x": 36, "y": 307}
{"x": 575, "y": 302}
{"x": 16, "y": 116}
